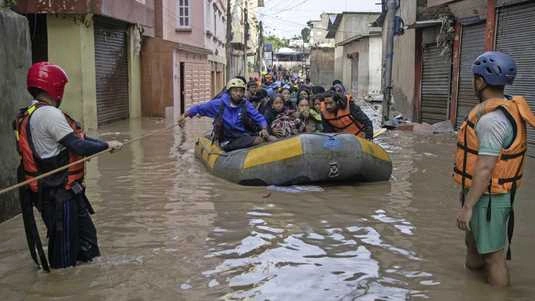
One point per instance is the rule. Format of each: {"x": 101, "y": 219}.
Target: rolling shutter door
{"x": 516, "y": 36}
{"x": 472, "y": 45}
{"x": 435, "y": 84}
{"x": 111, "y": 66}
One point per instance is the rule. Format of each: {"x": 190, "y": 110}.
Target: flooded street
{"x": 169, "y": 230}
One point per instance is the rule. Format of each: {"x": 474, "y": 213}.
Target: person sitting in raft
{"x": 340, "y": 115}
{"x": 282, "y": 122}
{"x": 288, "y": 103}
{"x": 252, "y": 88}
{"x": 309, "y": 117}
{"x": 261, "y": 101}
{"x": 316, "y": 103}
{"x": 269, "y": 85}
{"x": 237, "y": 124}
{"x": 303, "y": 93}
{"x": 277, "y": 109}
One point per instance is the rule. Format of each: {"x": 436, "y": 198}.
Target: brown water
{"x": 170, "y": 231}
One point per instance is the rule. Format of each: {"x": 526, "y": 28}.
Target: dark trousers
{"x": 72, "y": 236}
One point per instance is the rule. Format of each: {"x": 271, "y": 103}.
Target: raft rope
{"x": 85, "y": 159}
{"x": 47, "y": 174}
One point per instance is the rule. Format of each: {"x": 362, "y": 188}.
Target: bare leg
{"x": 474, "y": 261}
{"x": 498, "y": 273}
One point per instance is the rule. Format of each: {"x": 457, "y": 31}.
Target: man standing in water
{"x": 48, "y": 138}
{"x": 491, "y": 148}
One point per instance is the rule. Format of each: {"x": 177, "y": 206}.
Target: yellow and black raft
{"x": 302, "y": 159}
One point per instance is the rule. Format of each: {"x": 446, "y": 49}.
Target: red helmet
{"x": 49, "y": 78}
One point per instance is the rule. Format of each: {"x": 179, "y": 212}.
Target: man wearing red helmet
{"x": 48, "y": 138}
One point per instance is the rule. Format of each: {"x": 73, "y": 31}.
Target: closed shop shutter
{"x": 472, "y": 45}
{"x": 111, "y": 60}
{"x": 435, "y": 84}
{"x": 516, "y": 36}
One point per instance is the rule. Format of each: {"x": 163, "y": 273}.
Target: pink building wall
{"x": 193, "y": 36}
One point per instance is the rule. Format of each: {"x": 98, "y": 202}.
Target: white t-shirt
{"x": 495, "y": 132}
{"x": 48, "y": 126}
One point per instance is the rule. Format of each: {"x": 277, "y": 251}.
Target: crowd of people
{"x": 247, "y": 113}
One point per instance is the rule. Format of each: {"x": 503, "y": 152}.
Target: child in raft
{"x": 288, "y": 103}
{"x": 282, "y": 122}
{"x": 310, "y": 118}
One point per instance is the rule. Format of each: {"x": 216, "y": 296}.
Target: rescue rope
{"x": 64, "y": 167}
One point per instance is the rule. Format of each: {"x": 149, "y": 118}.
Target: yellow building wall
{"x": 71, "y": 44}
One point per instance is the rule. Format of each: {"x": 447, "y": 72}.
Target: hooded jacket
{"x": 232, "y": 121}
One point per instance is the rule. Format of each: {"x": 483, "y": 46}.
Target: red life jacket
{"x": 30, "y": 161}
{"x": 343, "y": 121}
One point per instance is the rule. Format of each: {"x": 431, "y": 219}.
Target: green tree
{"x": 277, "y": 42}
{"x": 305, "y": 34}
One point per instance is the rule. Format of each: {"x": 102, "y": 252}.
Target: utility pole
{"x": 245, "y": 37}
{"x": 228, "y": 48}
{"x": 392, "y": 6}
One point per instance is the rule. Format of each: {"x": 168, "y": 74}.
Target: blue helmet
{"x": 496, "y": 68}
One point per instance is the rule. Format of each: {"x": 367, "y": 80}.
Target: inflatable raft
{"x": 302, "y": 159}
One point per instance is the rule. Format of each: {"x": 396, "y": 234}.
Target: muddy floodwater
{"x": 169, "y": 230}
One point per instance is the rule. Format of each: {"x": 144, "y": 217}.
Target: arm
{"x": 205, "y": 109}
{"x": 480, "y": 183}
{"x": 492, "y": 132}
{"x": 360, "y": 116}
{"x": 83, "y": 147}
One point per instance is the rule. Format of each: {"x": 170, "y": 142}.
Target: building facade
{"x": 319, "y": 30}
{"x": 215, "y": 39}
{"x": 175, "y": 64}
{"x": 246, "y": 39}
{"x": 98, "y": 44}
{"x": 358, "y": 53}
{"x": 444, "y": 38}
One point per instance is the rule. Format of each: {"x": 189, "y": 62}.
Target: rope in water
{"x": 47, "y": 174}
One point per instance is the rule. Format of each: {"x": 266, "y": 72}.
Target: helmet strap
{"x": 480, "y": 93}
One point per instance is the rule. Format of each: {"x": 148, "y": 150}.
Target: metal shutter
{"x": 472, "y": 45}
{"x": 516, "y": 36}
{"x": 111, "y": 60}
{"x": 436, "y": 76}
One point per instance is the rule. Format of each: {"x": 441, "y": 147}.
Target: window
{"x": 184, "y": 14}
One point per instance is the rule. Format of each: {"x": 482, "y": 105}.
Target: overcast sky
{"x": 286, "y": 18}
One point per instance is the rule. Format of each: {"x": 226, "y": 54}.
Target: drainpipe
{"x": 392, "y": 6}
{"x": 245, "y": 38}
{"x": 228, "y": 48}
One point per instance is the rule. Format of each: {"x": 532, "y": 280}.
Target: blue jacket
{"x": 271, "y": 89}
{"x": 232, "y": 121}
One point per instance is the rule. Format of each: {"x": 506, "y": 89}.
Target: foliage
{"x": 8, "y": 3}
{"x": 305, "y": 34}
{"x": 277, "y": 42}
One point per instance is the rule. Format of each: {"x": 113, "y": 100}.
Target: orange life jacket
{"x": 507, "y": 174}
{"x": 343, "y": 121}
{"x": 30, "y": 162}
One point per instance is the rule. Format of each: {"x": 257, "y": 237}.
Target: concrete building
{"x": 176, "y": 70}
{"x": 403, "y": 70}
{"x": 15, "y": 60}
{"x": 215, "y": 39}
{"x": 482, "y": 25}
{"x": 322, "y": 66}
{"x": 358, "y": 52}
{"x": 294, "y": 61}
{"x": 98, "y": 44}
{"x": 245, "y": 43}
{"x": 319, "y": 29}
